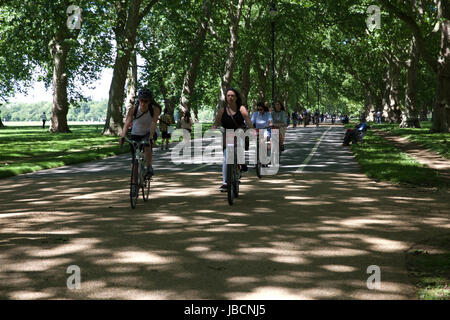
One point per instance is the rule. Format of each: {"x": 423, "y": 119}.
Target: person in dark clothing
{"x": 231, "y": 116}
{"x": 356, "y": 134}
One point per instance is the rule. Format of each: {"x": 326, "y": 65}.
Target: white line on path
{"x": 313, "y": 151}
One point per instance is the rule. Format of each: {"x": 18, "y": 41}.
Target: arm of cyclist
{"x": 246, "y": 117}
{"x": 157, "y": 112}
{"x": 128, "y": 121}
{"x": 218, "y": 119}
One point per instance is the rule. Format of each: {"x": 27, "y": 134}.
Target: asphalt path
{"x": 308, "y": 149}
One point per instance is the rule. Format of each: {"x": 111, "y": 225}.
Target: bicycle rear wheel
{"x": 134, "y": 188}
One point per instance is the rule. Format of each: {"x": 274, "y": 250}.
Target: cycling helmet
{"x": 144, "y": 93}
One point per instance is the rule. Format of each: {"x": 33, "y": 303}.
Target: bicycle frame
{"x": 138, "y": 176}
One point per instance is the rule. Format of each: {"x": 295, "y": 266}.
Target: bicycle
{"x": 259, "y": 165}
{"x": 139, "y": 177}
{"x": 233, "y": 174}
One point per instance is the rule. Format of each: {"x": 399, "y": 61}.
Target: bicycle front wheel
{"x": 134, "y": 187}
{"x": 230, "y": 184}
{"x": 146, "y": 188}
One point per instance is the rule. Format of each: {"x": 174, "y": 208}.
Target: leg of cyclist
{"x": 223, "y": 187}
{"x": 148, "y": 160}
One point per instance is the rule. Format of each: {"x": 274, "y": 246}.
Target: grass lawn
{"x": 428, "y": 264}
{"x": 437, "y": 142}
{"x": 382, "y": 161}
{"x": 28, "y": 148}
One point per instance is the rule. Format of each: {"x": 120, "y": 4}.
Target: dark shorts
{"x": 139, "y": 138}
{"x": 165, "y": 135}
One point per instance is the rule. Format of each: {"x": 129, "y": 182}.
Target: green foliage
{"x": 86, "y": 111}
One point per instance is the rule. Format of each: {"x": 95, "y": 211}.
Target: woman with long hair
{"x": 231, "y": 115}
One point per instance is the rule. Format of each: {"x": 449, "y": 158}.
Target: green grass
{"x": 382, "y": 161}
{"x": 428, "y": 264}
{"x": 437, "y": 142}
{"x": 28, "y": 149}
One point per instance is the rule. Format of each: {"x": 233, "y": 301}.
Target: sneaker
{"x": 149, "y": 171}
{"x": 244, "y": 168}
{"x": 223, "y": 188}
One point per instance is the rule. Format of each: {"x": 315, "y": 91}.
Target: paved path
{"x": 310, "y": 232}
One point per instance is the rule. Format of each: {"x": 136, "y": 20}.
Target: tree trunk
{"x": 262, "y": 79}
{"x": 231, "y": 60}
{"x": 245, "y": 84}
{"x": 424, "y": 112}
{"x": 197, "y": 45}
{"x": 394, "y": 100}
{"x": 125, "y": 42}
{"x": 59, "y": 51}
{"x": 1, "y": 123}
{"x": 441, "y": 112}
{"x": 441, "y": 65}
{"x": 169, "y": 102}
{"x": 410, "y": 116}
{"x": 131, "y": 82}
{"x": 369, "y": 106}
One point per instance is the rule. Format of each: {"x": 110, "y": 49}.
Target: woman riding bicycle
{"x": 231, "y": 116}
{"x": 279, "y": 121}
{"x": 262, "y": 119}
{"x": 144, "y": 124}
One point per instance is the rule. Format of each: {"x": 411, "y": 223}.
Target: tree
{"x": 439, "y": 63}
{"x": 127, "y": 17}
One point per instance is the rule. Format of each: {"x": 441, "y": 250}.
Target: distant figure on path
{"x": 44, "y": 118}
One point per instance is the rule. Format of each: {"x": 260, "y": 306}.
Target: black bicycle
{"x": 139, "y": 177}
{"x": 233, "y": 175}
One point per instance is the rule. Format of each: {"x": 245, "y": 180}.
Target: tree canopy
{"x": 336, "y": 56}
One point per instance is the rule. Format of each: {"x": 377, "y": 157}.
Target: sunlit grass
{"x": 437, "y": 142}
{"x": 382, "y": 161}
{"x": 28, "y": 149}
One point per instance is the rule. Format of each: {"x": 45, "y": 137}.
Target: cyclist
{"x": 279, "y": 121}
{"x": 262, "y": 119}
{"x": 231, "y": 116}
{"x": 144, "y": 117}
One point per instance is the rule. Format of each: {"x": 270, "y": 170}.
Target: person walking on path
{"x": 279, "y": 121}
{"x": 186, "y": 123}
{"x": 164, "y": 122}
{"x": 43, "y": 118}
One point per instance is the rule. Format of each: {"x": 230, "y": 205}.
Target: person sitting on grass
{"x": 356, "y": 134}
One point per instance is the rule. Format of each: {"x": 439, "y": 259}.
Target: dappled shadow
{"x": 290, "y": 236}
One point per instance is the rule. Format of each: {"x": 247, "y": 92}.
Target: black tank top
{"x": 228, "y": 123}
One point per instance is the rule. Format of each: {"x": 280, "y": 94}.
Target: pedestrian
{"x": 294, "y": 119}
{"x": 165, "y": 121}
{"x": 279, "y": 121}
{"x": 186, "y": 124}
{"x": 43, "y": 118}
{"x": 379, "y": 117}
